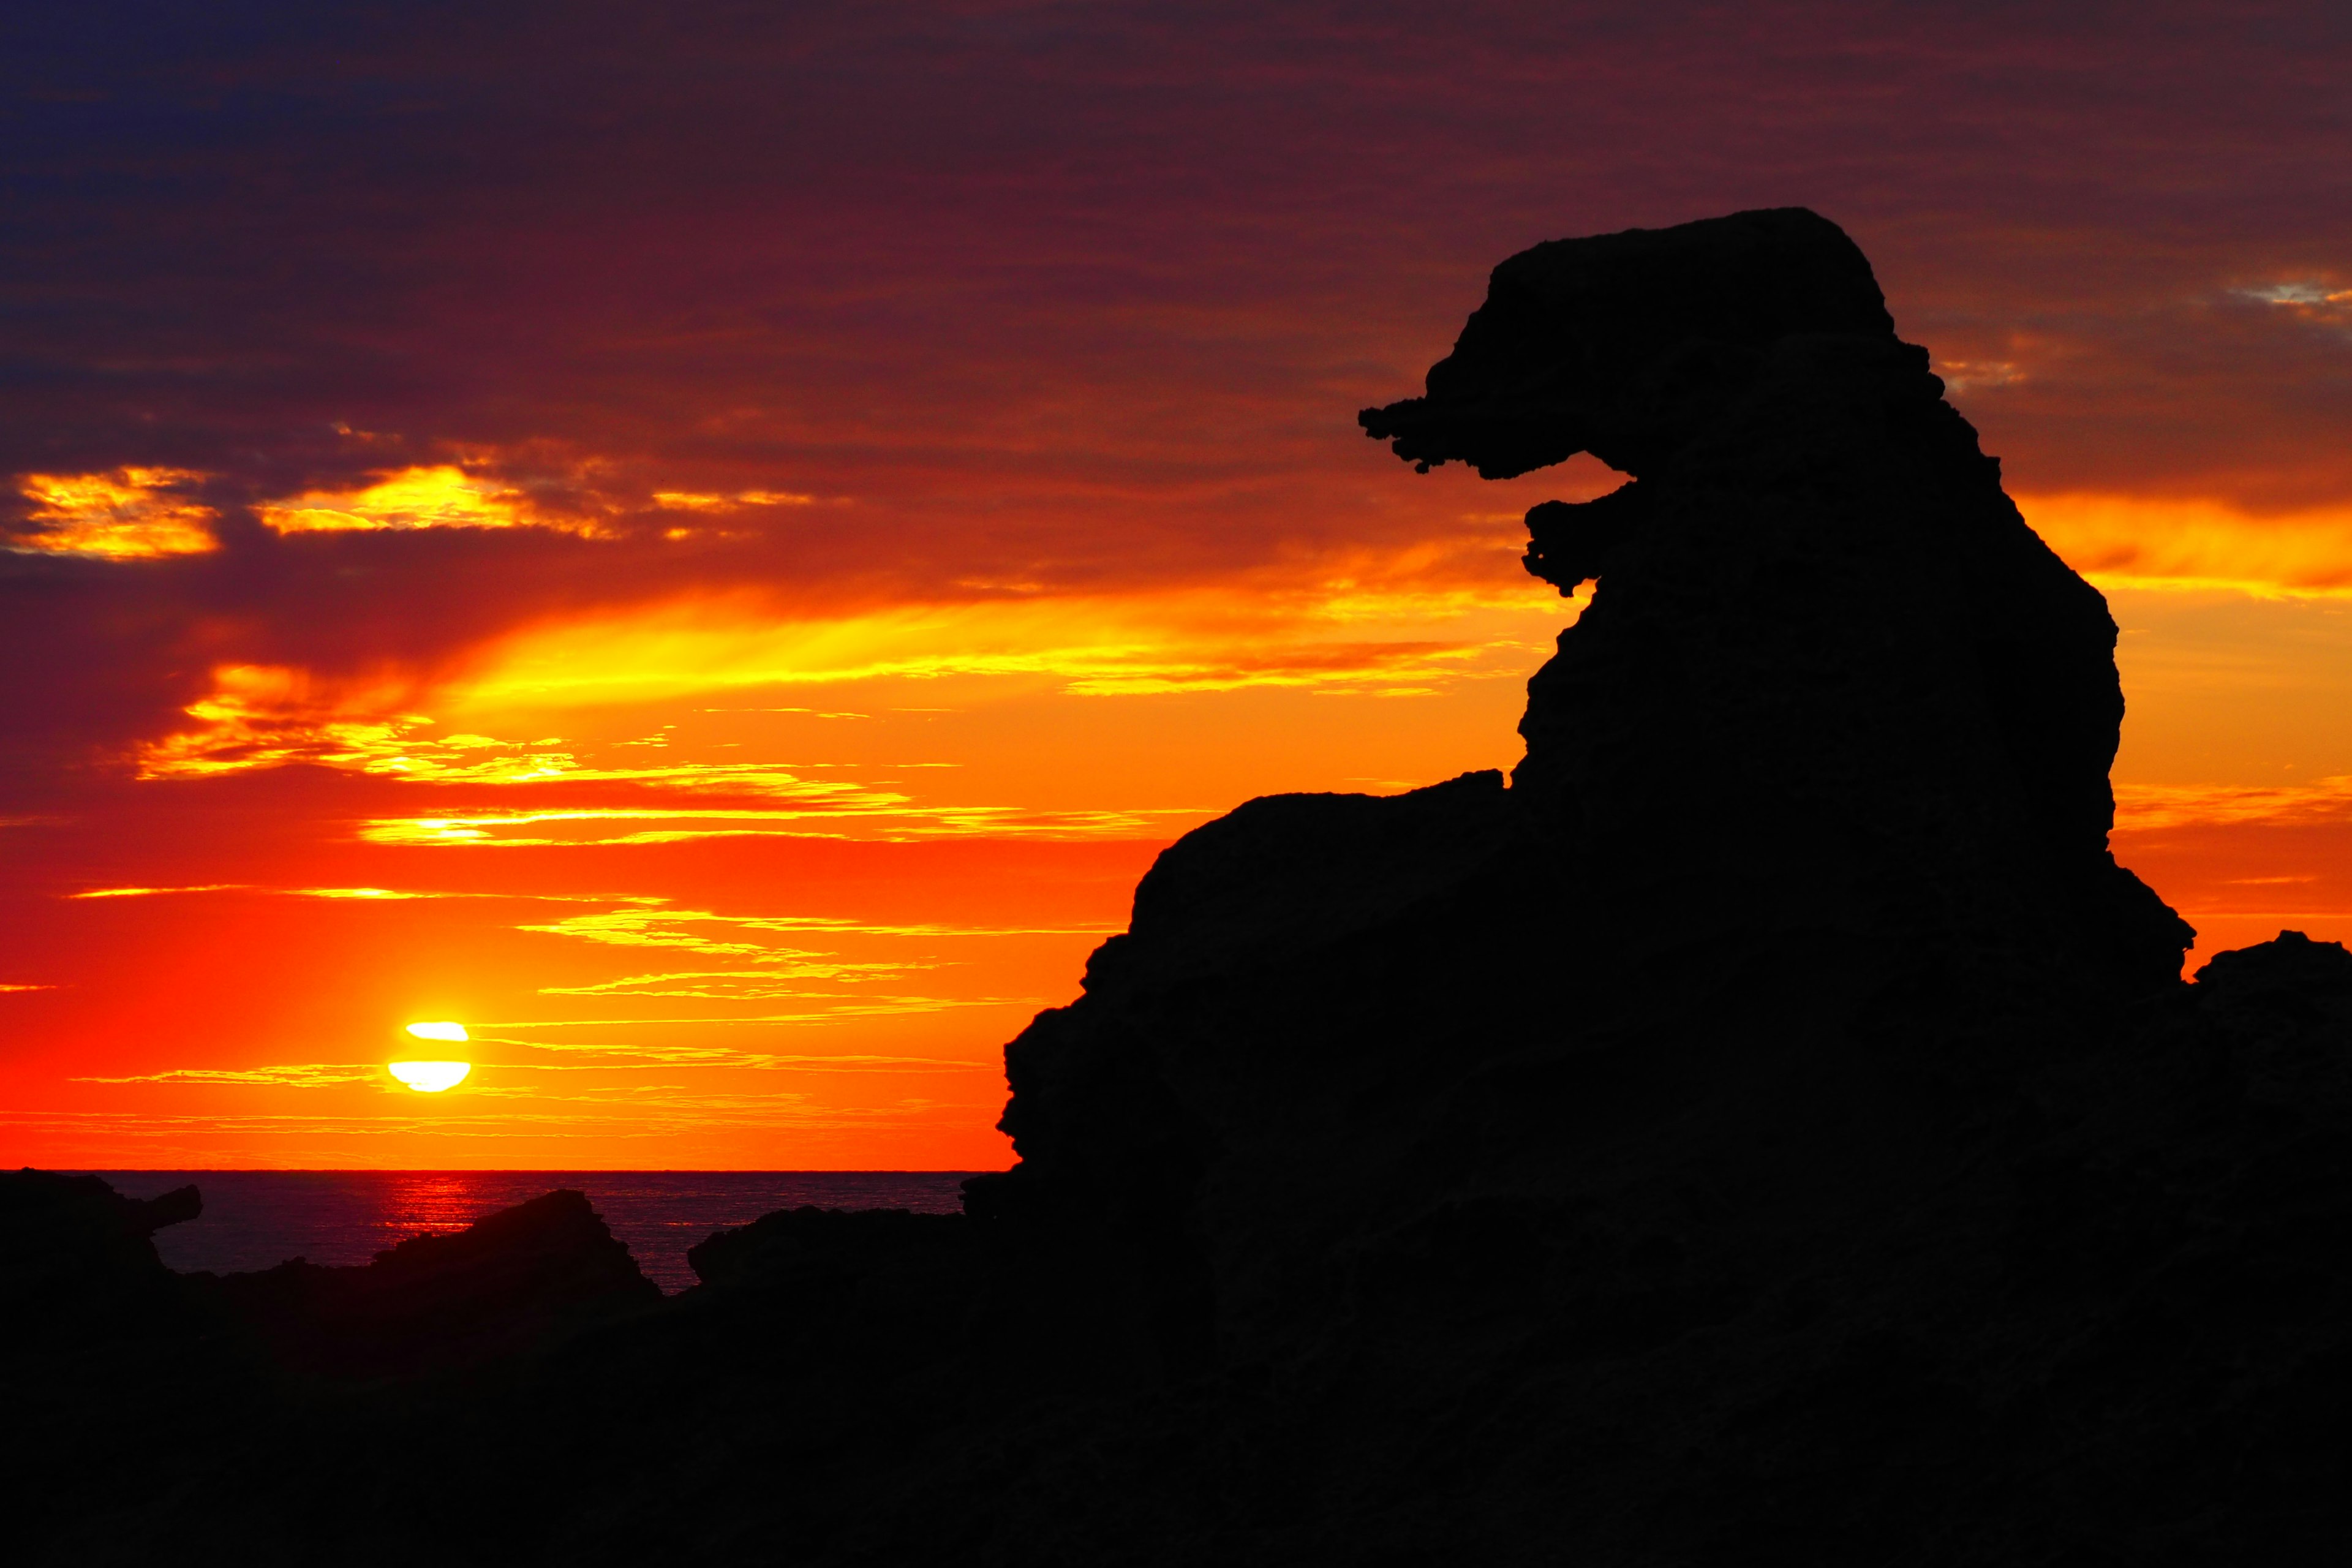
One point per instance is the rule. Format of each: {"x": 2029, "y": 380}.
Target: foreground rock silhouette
{"x": 1768, "y": 1127}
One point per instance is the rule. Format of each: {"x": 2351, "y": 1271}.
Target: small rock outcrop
{"x": 511, "y": 1281}
{"x": 791, "y": 1246}
{"x": 77, "y": 1258}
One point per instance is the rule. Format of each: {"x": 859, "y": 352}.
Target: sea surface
{"x": 257, "y": 1220}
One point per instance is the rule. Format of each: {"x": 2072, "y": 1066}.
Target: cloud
{"x": 306, "y": 1075}
{"x": 392, "y": 895}
{"x": 650, "y": 1115}
{"x": 2143, "y": 541}
{"x": 596, "y": 825}
{"x": 742, "y": 985}
{"x": 151, "y": 892}
{"x": 690, "y": 930}
{"x": 364, "y": 895}
{"x": 1357, "y": 626}
{"x": 1303, "y": 628}
{"x": 130, "y": 514}
{"x": 2141, "y": 807}
{"x": 2309, "y": 300}
{"x": 688, "y": 501}
{"x": 441, "y": 496}
{"x": 633, "y": 1055}
{"x": 260, "y": 717}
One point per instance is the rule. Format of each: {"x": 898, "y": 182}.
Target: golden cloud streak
{"x": 2134, "y": 542}
{"x": 494, "y": 829}
{"x": 1405, "y": 624}
{"x": 265, "y": 716}
{"x": 2144, "y": 806}
{"x": 1192, "y": 641}
{"x": 643, "y": 927}
{"x": 370, "y": 895}
{"x": 691, "y": 500}
{"x": 740, "y": 985}
{"x": 301, "y": 1075}
{"x": 130, "y": 514}
{"x": 633, "y": 1056}
{"x": 406, "y": 499}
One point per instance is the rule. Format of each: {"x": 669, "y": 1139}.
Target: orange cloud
{"x": 130, "y": 514}
{"x": 442, "y": 496}
{"x": 301, "y": 1075}
{"x": 1406, "y": 632}
{"x": 595, "y": 826}
{"x": 2145, "y": 807}
{"x": 2139, "y": 541}
{"x": 2310, "y": 299}
{"x": 740, "y": 984}
{"x": 269, "y": 715}
{"x": 641, "y": 1055}
{"x": 626, "y": 927}
{"x": 691, "y": 500}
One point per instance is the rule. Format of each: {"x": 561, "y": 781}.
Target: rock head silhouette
{"x": 1766, "y": 1127}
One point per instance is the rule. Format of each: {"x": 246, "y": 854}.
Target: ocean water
{"x": 254, "y": 1219}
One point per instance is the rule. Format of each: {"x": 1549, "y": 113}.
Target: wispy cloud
{"x": 585, "y": 1055}
{"x": 1435, "y": 620}
{"x": 694, "y": 500}
{"x": 2144, "y": 806}
{"x": 2141, "y": 542}
{"x": 390, "y": 895}
{"x": 152, "y": 892}
{"x": 605, "y": 826}
{"x": 650, "y": 927}
{"x": 128, "y": 514}
{"x": 742, "y": 985}
{"x": 260, "y": 717}
{"x": 658, "y": 1115}
{"x": 405, "y": 500}
{"x": 2312, "y": 299}
{"x": 301, "y": 1075}
{"x": 364, "y": 895}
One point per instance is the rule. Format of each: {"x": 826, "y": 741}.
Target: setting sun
{"x": 438, "y": 1031}
{"x": 431, "y": 1078}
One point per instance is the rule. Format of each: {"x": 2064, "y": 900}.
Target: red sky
{"x": 758, "y": 525}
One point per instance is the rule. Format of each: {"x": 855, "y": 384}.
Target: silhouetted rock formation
{"x": 1822, "y": 769}
{"x": 1770, "y": 1128}
{"x": 77, "y": 1259}
{"x": 509, "y": 1281}
{"x": 2286, "y": 1008}
{"x": 1833, "y": 691}
{"x": 791, "y": 1246}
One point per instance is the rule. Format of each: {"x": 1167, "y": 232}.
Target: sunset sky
{"x": 713, "y": 544}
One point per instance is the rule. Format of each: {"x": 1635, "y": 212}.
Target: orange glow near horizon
{"x": 772, "y": 892}
{"x": 722, "y": 574}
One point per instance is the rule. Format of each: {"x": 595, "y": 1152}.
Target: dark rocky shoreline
{"x": 1768, "y": 1127}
